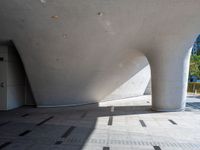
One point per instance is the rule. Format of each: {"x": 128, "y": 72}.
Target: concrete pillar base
{"x": 167, "y": 110}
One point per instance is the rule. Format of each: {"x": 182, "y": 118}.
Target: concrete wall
{"x": 15, "y": 80}
{"x": 77, "y": 52}
{"x": 29, "y": 98}
{"x": 3, "y": 78}
{"x": 16, "y": 91}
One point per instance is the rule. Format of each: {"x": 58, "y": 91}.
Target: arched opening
{"x": 135, "y": 90}
{"x": 193, "y": 97}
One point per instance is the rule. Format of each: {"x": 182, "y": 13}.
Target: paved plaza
{"x": 127, "y": 124}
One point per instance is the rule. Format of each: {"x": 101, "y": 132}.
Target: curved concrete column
{"x": 169, "y": 71}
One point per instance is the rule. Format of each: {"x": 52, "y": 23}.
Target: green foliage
{"x": 195, "y": 66}
{"x": 194, "y": 87}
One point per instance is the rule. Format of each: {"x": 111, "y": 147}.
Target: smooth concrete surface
{"x": 136, "y": 86}
{"x": 78, "y": 52}
{"x": 148, "y": 89}
{"x": 123, "y": 124}
{"x": 3, "y": 95}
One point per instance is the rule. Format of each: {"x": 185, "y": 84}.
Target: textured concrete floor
{"x": 127, "y": 124}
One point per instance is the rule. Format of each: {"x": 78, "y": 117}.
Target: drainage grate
{"x": 110, "y": 120}
{"x": 5, "y": 145}
{"x": 173, "y": 122}
{"x": 106, "y": 148}
{"x": 25, "y": 115}
{"x": 42, "y": 122}
{"x": 24, "y": 133}
{"x": 142, "y": 123}
{"x": 4, "y": 123}
{"x": 84, "y": 114}
{"x": 58, "y": 142}
{"x": 156, "y": 147}
{"x": 68, "y": 132}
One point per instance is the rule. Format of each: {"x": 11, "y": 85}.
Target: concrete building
{"x": 80, "y": 51}
{"x": 108, "y": 54}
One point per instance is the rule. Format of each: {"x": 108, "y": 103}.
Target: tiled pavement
{"x": 127, "y": 124}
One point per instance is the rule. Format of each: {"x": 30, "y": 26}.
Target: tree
{"x": 196, "y": 47}
{"x": 195, "y": 66}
